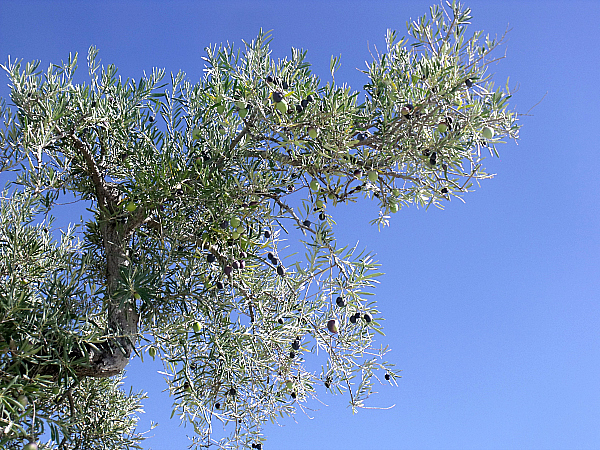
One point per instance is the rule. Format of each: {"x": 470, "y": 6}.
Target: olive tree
{"x": 198, "y": 197}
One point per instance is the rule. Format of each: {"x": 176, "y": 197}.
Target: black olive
{"x": 211, "y": 258}
{"x": 299, "y": 108}
{"x": 219, "y": 285}
{"x": 306, "y": 223}
{"x": 269, "y": 79}
{"x": 433, "y": 158}
{"x": 304, "y": 103}
{"x": 217, "y": 405}
{"x": 270, "y": 256}
{"x": 296, "y": 344}
{"x": 340, "y": 302}
{"x": 267, "y": 234}
{"x": 444, "y": 190}
{"x": 277, "y": 97}
{"x": 293, "y": 394}
{"x": 368, "y": 317}
{"x": 387, "y": 376}
{"x": 94, "y": 104}
{"x": 353, "y": 318}
{"x": 322, "y": 216}
{"x": 232, "y": 391}
{"x": 292, "y": 355}
{"x": 310, "y": 98}
{"x": 469, "y": 83}
{"x": 284, "y": 84}
{"x": 280, "y": 271}
{"x": 224, "y": 225}
{"x": 151, "y": 119}
{"x": 280, "y": 321}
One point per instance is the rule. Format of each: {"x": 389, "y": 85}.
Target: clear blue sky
{"x": 492, "y": 306}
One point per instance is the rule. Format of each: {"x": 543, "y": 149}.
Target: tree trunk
{"x": 112, "y": 357}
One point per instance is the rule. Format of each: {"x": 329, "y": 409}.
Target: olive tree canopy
{"x": 192, "y": 190}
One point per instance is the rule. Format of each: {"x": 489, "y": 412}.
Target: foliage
{"x": 191, "y": 189}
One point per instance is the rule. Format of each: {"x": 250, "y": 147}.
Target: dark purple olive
{"x": 304, "y": 103}
{"x": 252, "y": 204}
{"x": 285, "y": 85}
{"x": 242, "y": 264}
{"x": 179, "y": 191}
{"x": 310, "y": 98}
{"x": 243, "y": 255}
{"x": 306, "y": 223}
{"x": 267, "y": 234}
{"x": 299, "y": 108}
{"x": 358, "y": 173}
{"x": 332, "y": 326}
{"x": 280, "y": 271}
{"x": 224, "y": 225}
{"x": 235, "y": 265}
{"x": 228, "y": 270}
{"x": 277, "y": 97}
{"x": 340, "y": 302}
{"x": 433, "y": 158}
{"x": 292, "y": 355}
{"x": 219, "y": 285}
{"x": 469, "y": 83}
{"x": 387, "y": 376}
{"x": 368, "y": 317}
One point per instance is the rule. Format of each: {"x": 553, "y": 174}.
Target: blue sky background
{"x": 492, "y": 306}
